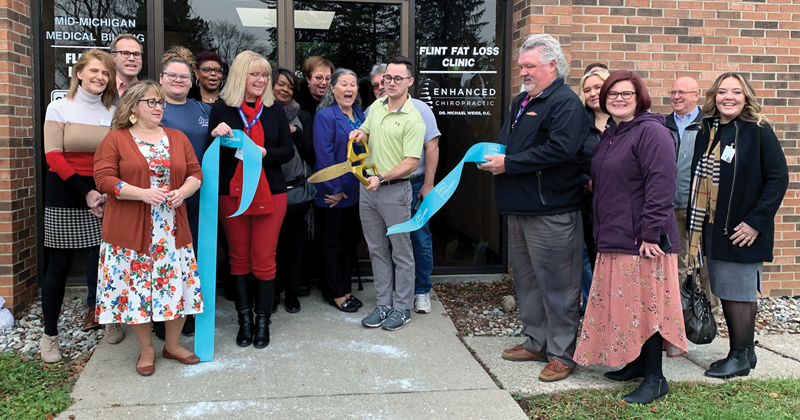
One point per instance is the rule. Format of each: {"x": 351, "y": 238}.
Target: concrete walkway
{"x": 321, "y": 364}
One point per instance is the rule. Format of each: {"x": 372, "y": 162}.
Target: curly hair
{"x": 179, "y": 54}
{"x": 751, "y": 111}
{"x": 130, "y": 99}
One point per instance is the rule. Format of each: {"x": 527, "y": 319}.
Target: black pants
{"x": 55, "y": 282}
{"x": 341, "y": 231}
{"x": 289, "y": 255}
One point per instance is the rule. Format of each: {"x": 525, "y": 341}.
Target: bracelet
{"x": 117, "y": 189}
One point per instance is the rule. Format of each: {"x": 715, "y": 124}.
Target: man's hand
{"x": 423, "y": 192}
{"x": 496, "y": 164}
{"x": 374, "y": 183}
{"x": 359, "y": 136}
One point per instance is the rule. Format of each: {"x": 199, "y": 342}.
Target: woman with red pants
{"x": 248, "y": 105}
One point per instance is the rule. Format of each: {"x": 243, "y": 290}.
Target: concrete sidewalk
{"x": 320, "y": 364}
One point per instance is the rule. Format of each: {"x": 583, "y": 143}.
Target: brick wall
{"x": 666, "y": 39}
{"x": 17, "y": 212}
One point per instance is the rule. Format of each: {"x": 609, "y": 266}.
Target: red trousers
{"x": 252, "y": 240}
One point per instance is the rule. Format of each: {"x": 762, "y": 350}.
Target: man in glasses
{"x": 421, "y": 184}
{"x": 127, "y": 52}
{"x": 684, "y": 123}
{"x": 394, "y": 131}
{"x": 539, "y": 186}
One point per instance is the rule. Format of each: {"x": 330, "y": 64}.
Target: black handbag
{"x": 699, "y": 322}
{"x": 300, "y": 193}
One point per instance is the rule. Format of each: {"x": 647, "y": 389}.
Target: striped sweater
{"x": 73, "y": 128}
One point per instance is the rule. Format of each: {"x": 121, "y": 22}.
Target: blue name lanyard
{"x": 525, "y": 103}
{"x": 248, "y": 126}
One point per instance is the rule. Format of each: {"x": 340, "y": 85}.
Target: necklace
{"x": 214, "y": 99}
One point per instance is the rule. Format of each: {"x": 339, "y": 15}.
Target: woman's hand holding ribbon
{"x": 222, "y": 130}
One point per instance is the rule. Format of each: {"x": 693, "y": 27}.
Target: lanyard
{"x": 521, "y": 108}
{"x": 248, "y": 126}
{"x": 354, "y": 124}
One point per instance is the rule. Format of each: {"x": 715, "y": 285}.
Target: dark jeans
{"x": 55, "y": 282}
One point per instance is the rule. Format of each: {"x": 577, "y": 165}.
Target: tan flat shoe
{"x": 191, "y": 359}
{"x": 145, "y": 370}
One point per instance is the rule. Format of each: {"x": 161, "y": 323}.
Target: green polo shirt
{"x": 393, "y": 136}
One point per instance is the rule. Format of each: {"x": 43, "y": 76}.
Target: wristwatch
{"x": 383, "y": 181}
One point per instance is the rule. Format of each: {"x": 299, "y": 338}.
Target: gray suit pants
{"x": 389, "y": 205}
{"x": 547, "y": 261}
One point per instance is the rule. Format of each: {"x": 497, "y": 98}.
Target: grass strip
{"x": 30, "y": 389}
{"x": 750, "y": 399}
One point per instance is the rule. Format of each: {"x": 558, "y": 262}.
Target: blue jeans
{"x": 422, "y": 241}
{"x": 586, "y": 280}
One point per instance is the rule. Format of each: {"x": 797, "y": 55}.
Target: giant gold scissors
{"x": 339, "y": 169}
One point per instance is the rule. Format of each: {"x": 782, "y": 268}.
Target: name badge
{"x": 728, "y": 154}
{"x": 240, "y": 154}
{"x": 105, "y": 123}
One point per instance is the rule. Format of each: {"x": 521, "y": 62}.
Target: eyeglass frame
{"x": 187, "y": 78}
{"x": 258, "y": 75}
{"x": 161, "y": 102}
{"x": 127, "y": 54}
{"x": 681, "y": 93}
{"x": 388, "y": 79}
{"x": 615, "y": 95}
{"x": 319, "y": 78}
{"x": 209, "y": 70}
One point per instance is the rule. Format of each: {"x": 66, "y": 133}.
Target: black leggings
{"x": 55, "y": 281}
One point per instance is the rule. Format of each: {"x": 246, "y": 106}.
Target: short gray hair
{"x": 376, "y": 70}
{"x": 549, "y": 50}
{"x": 328, "y": 99}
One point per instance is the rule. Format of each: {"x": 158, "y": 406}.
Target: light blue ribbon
{"x": 446, "y": 187}
{"x": 207, "y": 235}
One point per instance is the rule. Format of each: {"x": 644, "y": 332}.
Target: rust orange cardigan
{"x": 127, "y": 223}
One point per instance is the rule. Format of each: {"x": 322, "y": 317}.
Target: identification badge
{"x": 239, "y": 154}
{"x": 728, "y": 154}
{"x": 105, "y": 123}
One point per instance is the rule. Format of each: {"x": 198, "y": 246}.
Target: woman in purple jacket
{"x": 634, "y": 309}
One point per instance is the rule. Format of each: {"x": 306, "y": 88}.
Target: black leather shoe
{"x": 347, "y": 306}
{"x": 736, "y": 364}
{"x": 358, "y": 303}
{"x": 292, "y": 303}
{"x": 188, "y": 326}
{"x": 264, "y": 296}
{"x": 651, "y": 389}
{"x": 158, "y": 328}
{"x": 631, "y": 372}
{"x": 303, "y": 291}
{"x": 751, "y": 358}
{"x": 244, "y": 311}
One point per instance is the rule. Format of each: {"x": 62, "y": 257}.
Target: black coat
{"x": 543, "y": 155}
{"x": 277, "y": 141}
{"x": 756, "y": 193}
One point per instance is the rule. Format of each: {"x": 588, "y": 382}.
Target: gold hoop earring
{"x": 132, "y": 119}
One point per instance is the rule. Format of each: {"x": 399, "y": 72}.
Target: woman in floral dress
{"x": 148, "y": 270}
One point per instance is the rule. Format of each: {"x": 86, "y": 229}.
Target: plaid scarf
{"x": 704, "y": 197}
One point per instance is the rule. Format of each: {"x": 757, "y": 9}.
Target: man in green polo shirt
{"x": 394, "y": 131}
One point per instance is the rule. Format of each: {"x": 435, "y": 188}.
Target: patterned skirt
{"x": 631, "y": 299}
{"x": 71, "y": 228}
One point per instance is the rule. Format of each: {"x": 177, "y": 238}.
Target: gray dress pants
{"x": 389, "y": 205}
{"x": 547, "y": 261}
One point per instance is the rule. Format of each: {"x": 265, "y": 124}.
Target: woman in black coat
{"x": 732, "y": 222}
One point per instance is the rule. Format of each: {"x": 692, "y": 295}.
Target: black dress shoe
{"x": 631, "y": 372}
{"x": 303, "y": 291}
{"x": 188, "y": 326}
{"x": 751, "y": 358}
{"x": 292, "y": 303}
{"x": 347, "y": 306}
{"x": 736, "y": 364}
{"x": 357, "y": 302}
{"x": 158, "y": 328}
{"x": 651, "y": 389}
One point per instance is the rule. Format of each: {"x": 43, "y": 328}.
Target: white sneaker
{"x": 48, "y": 348}
{"x": 422, "y": 303}
{"x": 114, "y": 333}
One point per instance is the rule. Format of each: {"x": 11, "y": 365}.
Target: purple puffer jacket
{"x": 633, "y": 176}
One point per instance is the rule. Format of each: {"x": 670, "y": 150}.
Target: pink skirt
{"x": 631, "y": 299}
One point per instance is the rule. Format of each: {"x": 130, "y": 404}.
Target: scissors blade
{"x": 331, "y": 172}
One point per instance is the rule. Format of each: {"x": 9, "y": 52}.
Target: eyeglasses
{"x": 209, "y": 70}
{"x": 319, "y": 78}
{"x": 127, "y": 54}
{"x": 625, "y": 95}
{"x": 376, "y": 85}
{"x": 681, "y": 93}
{"x": 171, "y": 76}
{"x": 397, "y": 79}
{"x": 152, "y": 102}
{"x": 260, "y": 75}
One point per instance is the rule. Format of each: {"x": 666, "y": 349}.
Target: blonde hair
{"x": 244, "y": 63}
{"x": 110, "y": 92}
{"x": 751, "y": 111}
{"x": 178, "y": 54}
{"x": 599, "y": 72}
{"x": 130, "y": 99}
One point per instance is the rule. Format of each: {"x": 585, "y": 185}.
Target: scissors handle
{"x": 354, "y": 157}
{"x": 358, "y": 171}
